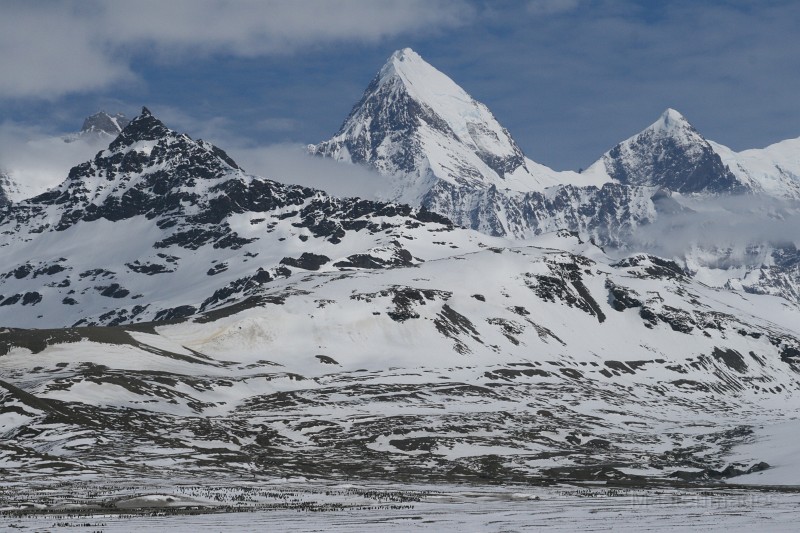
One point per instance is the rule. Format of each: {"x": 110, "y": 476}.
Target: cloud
{"x": 291, "y": 164}
{"x": 54, "y": 48}
{"x": 36, "y": 160}
{"x": 723, "y": 231}
{"x": 48, "y": 50}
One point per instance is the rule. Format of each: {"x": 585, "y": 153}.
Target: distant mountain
{"x": 101, "y": 125}
{"x": 415, "y": 122}
{"x": 9, "y": 189}
{"x": 448, "y": 153}
{"x": 6, "y": 184}
{"x": 774, "y": 170}
{"x": 673, "y": 155}
{"x": 669, "y": 154}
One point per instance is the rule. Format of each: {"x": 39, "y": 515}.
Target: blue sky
{"x": 568, "y": 78}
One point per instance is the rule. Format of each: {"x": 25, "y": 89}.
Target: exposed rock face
{"x": 5, "y": 183}
{"x": 670, "y": 154}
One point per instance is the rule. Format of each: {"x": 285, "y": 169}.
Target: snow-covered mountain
{"x": 446, "y": 151}
{"x": 232, "y": 325}
{"x": 672, "y": 154}
{"x": 669, "y": 154}
{"x": 128, "y": 235}
{"x": 416, "y": 122}
{"x": 101, "y": 125}
{"x": 774, "y": 170}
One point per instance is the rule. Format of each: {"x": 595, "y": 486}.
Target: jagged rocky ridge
{"x": 159, "y": 226}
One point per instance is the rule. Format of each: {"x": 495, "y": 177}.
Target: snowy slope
{"x": 774, "y": 170}
{"x": 560, "y": 364}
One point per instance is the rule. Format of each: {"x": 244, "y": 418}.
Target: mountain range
{"x": 166, "y": 313}
{"x": 415, "y": 123}
{"x": 447, "y": 153}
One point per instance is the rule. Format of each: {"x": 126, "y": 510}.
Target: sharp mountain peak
{"x": 144, "y": 127}
{"x": 671, "y": 121}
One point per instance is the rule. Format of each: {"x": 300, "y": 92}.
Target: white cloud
{"x": 735, "y": 223}
{"x": 51, "y": 49}
{"x": 47, "y": 50}
{"x": 291, "y": 164}
{"x": 36, "y": 160}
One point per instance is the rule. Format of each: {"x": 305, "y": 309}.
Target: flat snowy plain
{"x": 295, "y": 505}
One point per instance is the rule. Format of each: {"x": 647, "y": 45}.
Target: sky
{"x": 569, "y": 79}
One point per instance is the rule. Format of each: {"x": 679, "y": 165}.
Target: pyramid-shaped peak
{"x": 671, "y": 120}
{"x": 421, "y": 79}
{"x": 144, "y": 127}
{"x": 413, "y": 120}
{"x": 670, "y": 154}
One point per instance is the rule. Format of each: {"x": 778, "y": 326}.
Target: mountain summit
{"x": 671, "y": 154}
{"x": 175, "y": 227}
{"x": 415, "y": 123}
